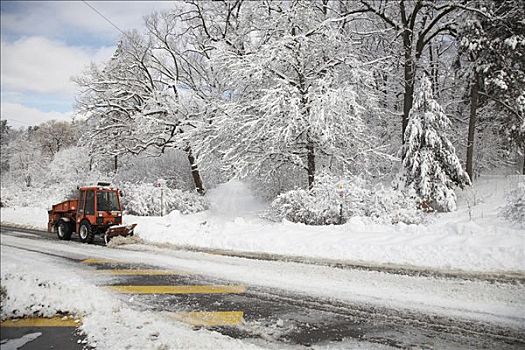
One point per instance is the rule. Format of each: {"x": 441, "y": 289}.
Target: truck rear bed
{"x": 66, "y": 209}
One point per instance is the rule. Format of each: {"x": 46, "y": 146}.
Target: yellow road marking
{"x": 40, "y": 322}
{"x": 101, "y": 261}
{"x": 131, "y": 272}
{"x": 204, "y": 289}
{"x": 210, "y": 319}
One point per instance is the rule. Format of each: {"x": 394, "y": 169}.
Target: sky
{"x": 46, "y": 43}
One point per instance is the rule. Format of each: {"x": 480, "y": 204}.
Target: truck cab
{"x": 98, "y": 208}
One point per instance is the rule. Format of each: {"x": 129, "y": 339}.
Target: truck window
{"x": 81, "y": 202}
{"x": 90, "y": 203}
{"x": 107, "y": 201}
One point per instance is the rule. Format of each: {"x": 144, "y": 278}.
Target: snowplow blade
{"x": 124, "y": 230}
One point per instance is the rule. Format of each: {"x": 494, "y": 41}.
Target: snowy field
{"x": 474, "y": 238}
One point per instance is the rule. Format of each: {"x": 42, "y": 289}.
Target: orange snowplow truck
{"x": 96, "y": 211}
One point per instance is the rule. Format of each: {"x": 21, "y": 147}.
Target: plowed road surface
{"x": 278, "y": 304}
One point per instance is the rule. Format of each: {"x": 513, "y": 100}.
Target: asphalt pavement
{"x": 40, "y": 333}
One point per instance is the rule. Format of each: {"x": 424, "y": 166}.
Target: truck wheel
{"x": 86, "y": 233}
{"x": 63, "y": 230}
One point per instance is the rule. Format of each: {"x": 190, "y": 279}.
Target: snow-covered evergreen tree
{"x": 430, "y": 164}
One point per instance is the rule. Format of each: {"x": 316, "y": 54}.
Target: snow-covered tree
{"x": 26, "y": 162}
{"x": 415, "y": 24}
{"x": 69, "y": 166}
{"x": 430, "y": 165}
{"x": 54, "y": 136}
{"x": 298, "y": 95}
{"x": 493, "y": 39}
{"x": 134, "y": 105}
{"x": 5, "y": 131}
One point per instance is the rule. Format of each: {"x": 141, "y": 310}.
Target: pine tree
{"x": 430, "y": 165}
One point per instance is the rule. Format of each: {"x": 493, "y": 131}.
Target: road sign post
{"x": 342, "y": 189}
{"x": 161, "y": 183}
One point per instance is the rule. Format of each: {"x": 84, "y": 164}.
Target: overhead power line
{"x": 104, "y": 17}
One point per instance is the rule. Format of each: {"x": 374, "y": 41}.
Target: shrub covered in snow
{"x": 389, "y": 205}
{"x": 303, "y": 206}
{"x": 321, "y": 205}
{"x": 145, "y": 199}
{"x": 514, "y": 210}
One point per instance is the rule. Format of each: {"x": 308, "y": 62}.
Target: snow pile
{"x": 120, "y": 240}
{"x": 145, "y": 199}
{"x": 29, "y": 295}
{"x": 514, "y": 209}
{"x": 106, "y": 322}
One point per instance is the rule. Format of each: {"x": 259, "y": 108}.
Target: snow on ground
{"x": 474, "y": 238}
{"x": 107, "y": 322}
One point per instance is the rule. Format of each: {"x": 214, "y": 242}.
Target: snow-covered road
{"x": 283, "y": 301}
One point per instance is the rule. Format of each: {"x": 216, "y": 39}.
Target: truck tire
{"x": 63, "y": 230}
{"x": 86, "y": 233}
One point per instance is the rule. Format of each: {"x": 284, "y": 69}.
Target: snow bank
{"x": 29, "y": 217}
{"x": 467, "y": 246}
{"x": 107, "y": 322}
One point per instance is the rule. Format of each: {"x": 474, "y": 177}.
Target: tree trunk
{"x": 310, "y": 151}
{"x": 523, "y": 171}
{"x": 408, "y": 95}
{"x": 433, "y": 70}
{"x": 195, "y": 172}
{"x": 474, "y": 90}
